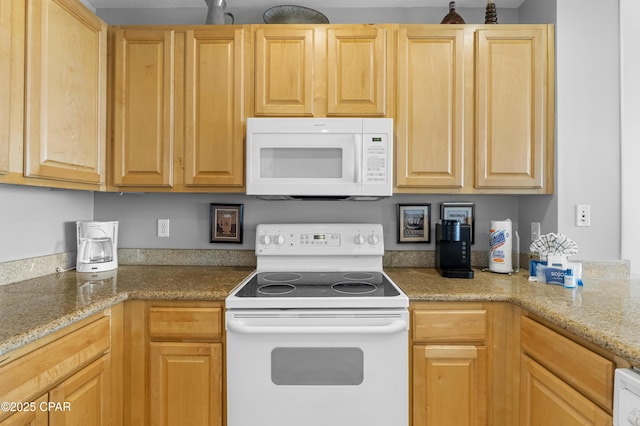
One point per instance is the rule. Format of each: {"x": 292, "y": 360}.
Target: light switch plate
{"x": 583, "y": 214}
{"x": 535, "y": 231}
{"x": 163, "y": 228}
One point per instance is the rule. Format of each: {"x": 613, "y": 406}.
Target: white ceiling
{"x": 314, "y": 4}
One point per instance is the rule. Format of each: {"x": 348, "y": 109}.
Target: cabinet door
{"x": 430, "y": 102}
{"x": 214, "y": 97}
{"x": 511, "y": 108}
{"x": 144, "y": 108}
{"x": 65, "y": 103}
{"x": 547, "y": 400}
{"x": 84, "y": 399}
{"x": 356, "y": 67}
{"x": 449, "y": 385}
{"x": 36, "y": 417}
{"x": 185, "y": 383}
{"x": 284, "y": 71}
{"x": 5, "y": 84}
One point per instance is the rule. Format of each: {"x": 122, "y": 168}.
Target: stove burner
{"x": 276, "y": 289}
{"x": 354, "y": 287}
{"x": 282, "y": 277}
{"x": 358, "y": 276}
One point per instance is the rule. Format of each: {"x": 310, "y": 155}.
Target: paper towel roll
{"x": 500, "y": 243}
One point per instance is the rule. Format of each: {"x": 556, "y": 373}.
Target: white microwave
{"x": 315, "y": 158}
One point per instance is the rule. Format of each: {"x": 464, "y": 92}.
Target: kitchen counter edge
{"x": 603, "y": 312}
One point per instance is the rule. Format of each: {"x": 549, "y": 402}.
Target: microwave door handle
{"x": 357, "y": 139}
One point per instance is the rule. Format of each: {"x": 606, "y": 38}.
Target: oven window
{"x": 317, "y": 366}
{"x": 292, "y": 163}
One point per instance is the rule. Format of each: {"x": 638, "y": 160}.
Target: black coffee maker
{"x": 453, "y": 249}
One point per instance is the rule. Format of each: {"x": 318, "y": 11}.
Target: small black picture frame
{"x": 226, "y": 223}
{"x": 414, "y": 223}
{"x": 462, "y": 211}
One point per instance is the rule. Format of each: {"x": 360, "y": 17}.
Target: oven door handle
{"x": 391, "y": 328}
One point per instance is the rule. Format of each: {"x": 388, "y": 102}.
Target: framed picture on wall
{"x": 414, "y": 223}
{"x": 226, "y": 223}
{"x": 464, "y": 212}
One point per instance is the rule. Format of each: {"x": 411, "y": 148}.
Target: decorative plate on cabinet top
{"x": 290, "y": 14}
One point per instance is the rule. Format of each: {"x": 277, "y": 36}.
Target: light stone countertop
{"x": 604, "y": 312}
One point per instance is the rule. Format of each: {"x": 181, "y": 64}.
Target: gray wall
{"x": 588, "y": 124}
{"x": 39, "y": 221}
{"x": 189, "y": 216}
{"x": 422, "y": 15}
{"x": 630, "y": 127}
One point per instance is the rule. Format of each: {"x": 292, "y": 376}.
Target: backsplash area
{"x": 25, "y": 269}
{"x": 38, "y": 227}
{"x": 20, "y": 270}
{"x": 190, "y": 222}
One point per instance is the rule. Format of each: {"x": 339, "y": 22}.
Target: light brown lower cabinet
{"x": 30, "y": 418}
{"x": 81, "y": 400}
{"x": 450, "y": 364}
{"x": 174, "y": 364}
{"x": 562, "y": 381}
{"x": 185, "y": 383}
{"x": 86, "y": 394}
{"x": 162, "y": 363}
{"x": 547, "y": 400}
{"x": 492, "y": 363}
{"x": 62, "y": 379}
{"x": 449, "y": 384}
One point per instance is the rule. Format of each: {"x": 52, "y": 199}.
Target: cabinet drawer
{"x": 583, "y": 369}
{"x": 450, "y": 325}
{"x": 35, "y": 372}
{"x": 185, "y": 323}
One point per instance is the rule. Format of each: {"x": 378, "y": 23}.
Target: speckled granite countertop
{"x": 33, "y": 308}
{"x": 605, "y": 312}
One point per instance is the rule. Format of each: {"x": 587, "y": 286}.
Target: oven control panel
{"x": 325, "y": 240}
{"x": 313, "y": 239}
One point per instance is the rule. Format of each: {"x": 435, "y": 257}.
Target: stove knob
{"x": 359, "y": 239}
{"x": 373, "y": 239}
{"x": 265, "y": 239}
{"x": 278, "y": 239}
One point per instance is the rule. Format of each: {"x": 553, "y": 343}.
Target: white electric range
{"x": 318, "y": 335}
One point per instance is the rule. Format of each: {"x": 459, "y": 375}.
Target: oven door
{"x": 317, "y": 368}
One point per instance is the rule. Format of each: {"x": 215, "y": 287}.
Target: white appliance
{"x": 343, "y": 158}
{"x": 318, "y": 335}
{"x": 97, "y": 246}
{"x": 626, "y": 397}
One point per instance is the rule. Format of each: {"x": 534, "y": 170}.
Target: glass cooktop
{"x": 318, "y": 284}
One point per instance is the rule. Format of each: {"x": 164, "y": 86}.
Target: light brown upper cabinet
{"x": 284, "y": 61}
{"x": 5, "y": 83}
{"x": 430, "y": 108}
{"x": 214, "y": 107}
{"x": 475, "y": 109}
{"x": 65, "y": 96}
{"x": 53, "y": 73}
{"x": 178, "y": 108}
{"x": 321, "y": 70}
{"x": 356, "y": 71}
{"x": 143, "y": 119}
{"x": 514, "y": 107}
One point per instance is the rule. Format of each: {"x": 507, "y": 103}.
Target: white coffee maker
{"x": 97, "y": 246}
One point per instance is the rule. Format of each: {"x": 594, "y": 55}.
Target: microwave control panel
{"x": 376, "y": 147}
